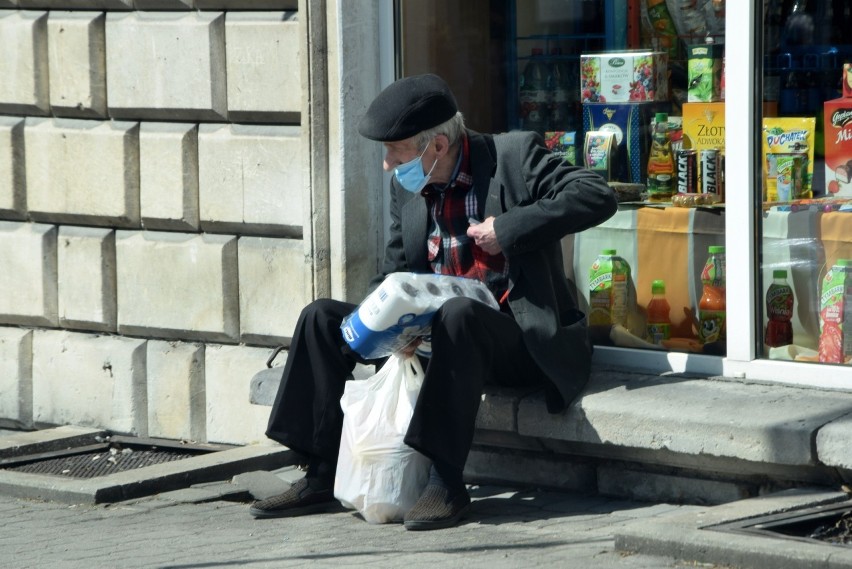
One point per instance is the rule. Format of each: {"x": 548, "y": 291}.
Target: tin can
{"x": 686, "y": 162}
{"x": 710, "y": 171}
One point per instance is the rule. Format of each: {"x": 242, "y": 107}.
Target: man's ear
{"x": 442, "y": 145}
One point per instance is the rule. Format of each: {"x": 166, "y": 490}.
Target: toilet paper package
{"x": 401, "y": 309}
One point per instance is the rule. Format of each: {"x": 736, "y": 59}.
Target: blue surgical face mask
{"x": 410, "y": 175}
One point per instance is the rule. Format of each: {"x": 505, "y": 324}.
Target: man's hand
{"x": 484, "y": 237}
{"x": 408, "y": 350}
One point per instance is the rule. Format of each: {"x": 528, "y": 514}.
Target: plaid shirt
{"x": 450, "y": 250}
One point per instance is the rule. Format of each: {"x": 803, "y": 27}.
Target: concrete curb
{"x": 688, "y": 536}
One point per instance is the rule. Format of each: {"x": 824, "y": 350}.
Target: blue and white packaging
{"x": 401, "y": 309}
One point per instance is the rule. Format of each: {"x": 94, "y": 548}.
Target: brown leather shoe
{"x": 435, "y": 510}
{"x": 299, "y": 500}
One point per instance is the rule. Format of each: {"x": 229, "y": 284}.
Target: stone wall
{"x": 155, "y": 211}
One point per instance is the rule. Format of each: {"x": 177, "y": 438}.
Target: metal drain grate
{"x": 112, "y": 454}
{"x": 100, "y": 463}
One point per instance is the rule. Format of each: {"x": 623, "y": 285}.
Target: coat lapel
{"x": 414, "y": 218}
{"x": 484, "y": 164}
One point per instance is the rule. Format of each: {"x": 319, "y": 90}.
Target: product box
{"x": 704, "y": 126}
{"x": 629, "y": 122}
{"x": 838, "y": 147}
{"x": 704, "y": 73}
{"x": 788, "y": 158}
{"x": 620, "y": 77}
{"x": 563, "y": 144}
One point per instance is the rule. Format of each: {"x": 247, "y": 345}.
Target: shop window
{"x": 806, "y": 181}
{"x": 625, "y": 87}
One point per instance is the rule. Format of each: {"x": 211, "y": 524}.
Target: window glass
{"x": 806, "y": 173}
{"x": 633, "y": 89}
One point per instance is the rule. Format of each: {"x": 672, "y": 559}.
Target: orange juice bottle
{"x": 659, "y": 325}
{"x": 711, "y": 307}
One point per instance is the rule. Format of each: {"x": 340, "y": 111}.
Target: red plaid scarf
{"x": 450, "y": 250}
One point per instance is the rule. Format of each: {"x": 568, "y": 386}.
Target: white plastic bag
{"x": 377, "y": 473}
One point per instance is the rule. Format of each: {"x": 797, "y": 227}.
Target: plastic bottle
{"x": 711, "y": 307}
{"x": 561, "y": 111}
{"x": 779, "y": 310}
{"x": 660, "y": 161}
{"x": 835, "y": 309}
{"x": 533, "y": 93}
{"x": 609, "y": 290}
{"x": 659, "y": 325}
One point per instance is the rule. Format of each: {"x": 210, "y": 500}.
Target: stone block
{"x": 275, "y": 285}
{"x": 251, "y": 178}
{"x": 86, "y": 258}
{"x": 263, "y": 64}
{"x": 82, "y": 171}
{"x": 13, "y": 194}
{"x": 832, "y": 443}
{"x": 504, "y": 466}
{"x": 176, "y": 285}
{"x": 77, "y": 64}
{"x": 231, "y": 418}
{"x": 246, "y": 4}
{"x": 16, "y": 388}
{"x": 655, "y": 487}
{"x": 78, "y": 4}
{"x": 89, "y": 381}
{"x": 24, "y": 68}
{"x": 689, "y": 417}
{"x": 28, "y": 285}
{"x": 176, "y": 402}
{"x": 168, "y": 157}
{"x": 147, "y": 51}
{"x": 163, "y": 4}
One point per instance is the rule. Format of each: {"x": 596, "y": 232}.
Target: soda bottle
{"x": 711, "y": 307}
{"x": 660, "y": 161}
{"x": 779, "y": 310}
{"x": 533, "y": 93}
{"x": 659, "y": 325}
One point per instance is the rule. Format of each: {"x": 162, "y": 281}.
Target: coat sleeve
{"x": 394, "y": 258}
{"x": 556, "y": 199}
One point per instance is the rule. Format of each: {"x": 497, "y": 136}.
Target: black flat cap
{"x": 407, "y": 107}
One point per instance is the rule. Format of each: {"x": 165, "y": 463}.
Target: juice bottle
{"x": 659, "y": 325}
{"x": 609, "y": 279}
{"x": 711, "y": 307}
{"x": 835, "y": 314}
{"x": 779, "y": 310}
{"x": 660, "y": 161}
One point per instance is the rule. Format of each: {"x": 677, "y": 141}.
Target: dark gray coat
{"x": 537, "y": 199}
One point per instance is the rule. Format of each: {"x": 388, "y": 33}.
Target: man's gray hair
{"x": 452, "y": 129}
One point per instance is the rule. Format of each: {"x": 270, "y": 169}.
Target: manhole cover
{"x": 114, "y": 454}
{"x": 830, "y": 524}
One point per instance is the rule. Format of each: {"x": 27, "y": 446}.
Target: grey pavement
{"x": 207, "y": 525}
{"x": 507, "y": 528}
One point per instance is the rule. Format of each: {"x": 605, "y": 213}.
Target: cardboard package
{"x": 837, "y": 115}
{"x": 704, "y": 126}
{"x": 620, "y": 77}
{"x": 629, "y": 122}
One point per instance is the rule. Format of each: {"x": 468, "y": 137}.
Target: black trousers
{"x": 472, "y": 345}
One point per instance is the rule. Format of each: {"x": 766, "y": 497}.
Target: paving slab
{"x": 156, "y": 478}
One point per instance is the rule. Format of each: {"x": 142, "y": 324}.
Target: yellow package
{"x": 788, "y": 143}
